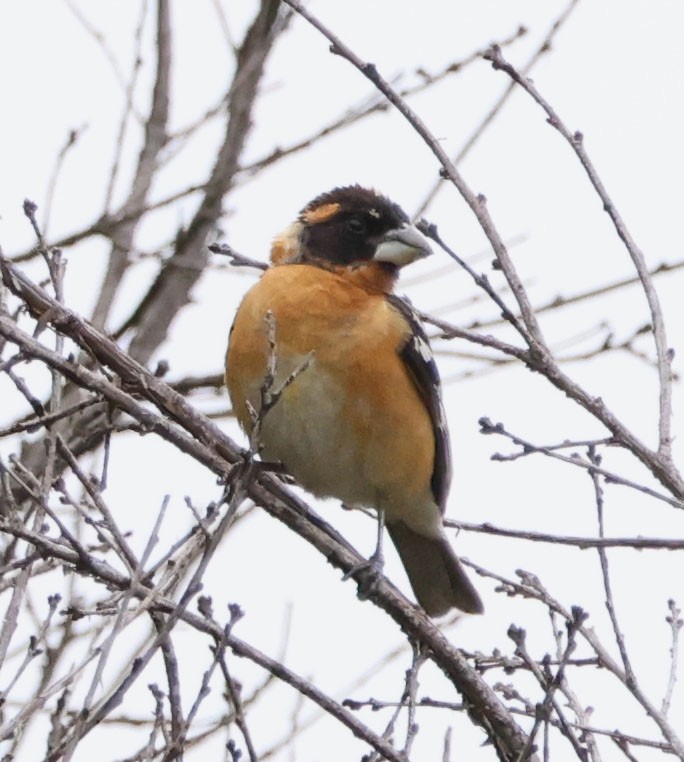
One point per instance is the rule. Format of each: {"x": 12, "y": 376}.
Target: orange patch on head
{"x": 320, "y": 213}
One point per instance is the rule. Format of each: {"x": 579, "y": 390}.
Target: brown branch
{"x": 108, "y": 223}
{"x": 213, "y": 382}
{"x": 235, "y": 693}
{"x": 108, "y": 574}
{"x": 550, "y": 684}
{"x": 35, "y": 422}
{"x": 95, "y": 382}
{"x": 235, "y": 258}
{"x": 561, "y": 301}
{"x": 585, "y": 728}
{"x": 170, "y": 292}
{"x": 481, "y": 280}
{"x": 528, "y": 448}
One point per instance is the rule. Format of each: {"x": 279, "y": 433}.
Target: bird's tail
{"x": 436, "y": 575}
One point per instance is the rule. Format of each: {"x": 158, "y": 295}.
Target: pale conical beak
{"x": 402, "y": 246}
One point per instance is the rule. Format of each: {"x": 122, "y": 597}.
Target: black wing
{"x": 417, "y": 355}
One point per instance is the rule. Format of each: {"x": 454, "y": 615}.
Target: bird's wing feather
{"x": 420, "y": 363}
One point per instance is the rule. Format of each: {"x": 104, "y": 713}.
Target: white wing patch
{"x": 422, "y": 348}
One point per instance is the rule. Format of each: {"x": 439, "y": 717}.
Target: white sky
{"x": 615, "y": 73}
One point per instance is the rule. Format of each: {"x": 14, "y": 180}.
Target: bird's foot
{"x": 367, "y": 574}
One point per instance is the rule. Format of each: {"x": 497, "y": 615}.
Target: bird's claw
{"x": 369, "y": 573}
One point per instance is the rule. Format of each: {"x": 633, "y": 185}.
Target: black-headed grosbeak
{"x": 364, "y": 421}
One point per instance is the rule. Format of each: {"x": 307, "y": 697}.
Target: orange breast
{"x": 350, "y": 424}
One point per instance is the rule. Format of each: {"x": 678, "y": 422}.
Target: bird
{"x": 354, "y": 408}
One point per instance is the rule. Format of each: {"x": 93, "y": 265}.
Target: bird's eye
{"x": 356, "y": 225}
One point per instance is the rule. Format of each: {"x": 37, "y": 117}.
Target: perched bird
{"x": 362, "y": 420}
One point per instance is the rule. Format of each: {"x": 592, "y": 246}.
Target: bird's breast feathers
{"x": 344, "y": 422}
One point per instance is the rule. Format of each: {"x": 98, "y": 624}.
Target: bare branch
{"x": 355, "y": 114}
{"x": 71, "y": 141}
{"x": 595, "y": 459}
{"x": 170, "y": 291}
{"x": 155, "y": 140}
{"x": 101, "y": 41}
{"x": 582, "y": 543}
{"x": 530, "y": 586}
{"x": 665, "y": 353}
{"x": 674, "y": 619}
{"x": 128, "y": 106}
{"x": 487, "y": 427}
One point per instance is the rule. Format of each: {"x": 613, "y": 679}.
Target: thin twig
{"x": 550, "y": 684}
{"x": 72, "y": 139}
{"x": 665, "y": 353}
{"x": 234, "y": 691}
{"x": 487, "y": 427}
{"x": 374, "y": 105}
{"x": 582, "y": 543}
{"x": 101, "y": 40}
{"x": 129, "y": 91}
{"x": 32, "y": 424}
{"x": 530, "y": 586}
{"x": 489, "y": 117}
{"x": 148, "y": 160}
{"x": 595, "y": 459}
{"x": 674, "y": 619}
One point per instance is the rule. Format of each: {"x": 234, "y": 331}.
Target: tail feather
{"x": 436, "y": 575}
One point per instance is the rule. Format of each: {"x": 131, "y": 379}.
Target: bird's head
{"x": 352, "y": 229}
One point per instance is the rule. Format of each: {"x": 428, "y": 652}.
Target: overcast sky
{"x": 615, "y": 73}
